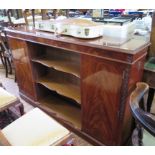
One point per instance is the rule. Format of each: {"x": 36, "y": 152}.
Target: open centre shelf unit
{"x": 57, "y": 79}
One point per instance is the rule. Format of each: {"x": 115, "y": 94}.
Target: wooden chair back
{"x": 143, "y": 118}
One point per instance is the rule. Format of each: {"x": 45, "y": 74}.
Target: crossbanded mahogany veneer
{"x": 85, "y": 84}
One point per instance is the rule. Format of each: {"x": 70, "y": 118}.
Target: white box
{"x": 80, "y": 28}
{"x": 125, "y": 31}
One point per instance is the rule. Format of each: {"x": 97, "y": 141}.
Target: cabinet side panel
{"x": 22, "y": 67}
{"x": 101, "y": 86}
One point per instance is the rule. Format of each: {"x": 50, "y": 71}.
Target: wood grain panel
{"x": 22, "y": 67}
{"x": 101, "y": 86}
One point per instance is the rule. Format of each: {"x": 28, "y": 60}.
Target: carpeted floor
{"x": 5, "y": 119}
{"x": 12, "y": 87}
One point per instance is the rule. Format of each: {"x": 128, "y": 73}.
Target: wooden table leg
{"x": 150, "y": 99}
{"x": 21, "y": 109}
{"x": 6, "y": 67}
{"x": 2, "y": 59}
{"x": 17, "y": 110}
{"x": 140, "y": 135}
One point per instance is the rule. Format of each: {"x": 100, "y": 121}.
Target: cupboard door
{"x": 101, "y": 92}
{"x": 22, "y": 67}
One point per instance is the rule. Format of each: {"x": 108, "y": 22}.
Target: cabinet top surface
{"x": 132, "y": 46}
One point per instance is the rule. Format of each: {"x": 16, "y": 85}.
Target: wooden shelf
{"x": 61, "y": 65}
{"x": 62, "y": 109}
{"x": 62, "y": 87}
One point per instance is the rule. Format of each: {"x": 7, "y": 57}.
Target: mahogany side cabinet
{"x": 84, "y": 84}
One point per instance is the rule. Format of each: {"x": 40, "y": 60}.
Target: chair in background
{"x": 144, "y": 134}
{"x": 35, "y": 128}
{"x": 28, "y": 12}
{"x": 5, "y": 54}
{"x": 1, "y": 53}
{"x": 32, "y": 15}
{"x": 13, "y": 22}
{"x": 2, "y": 25}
